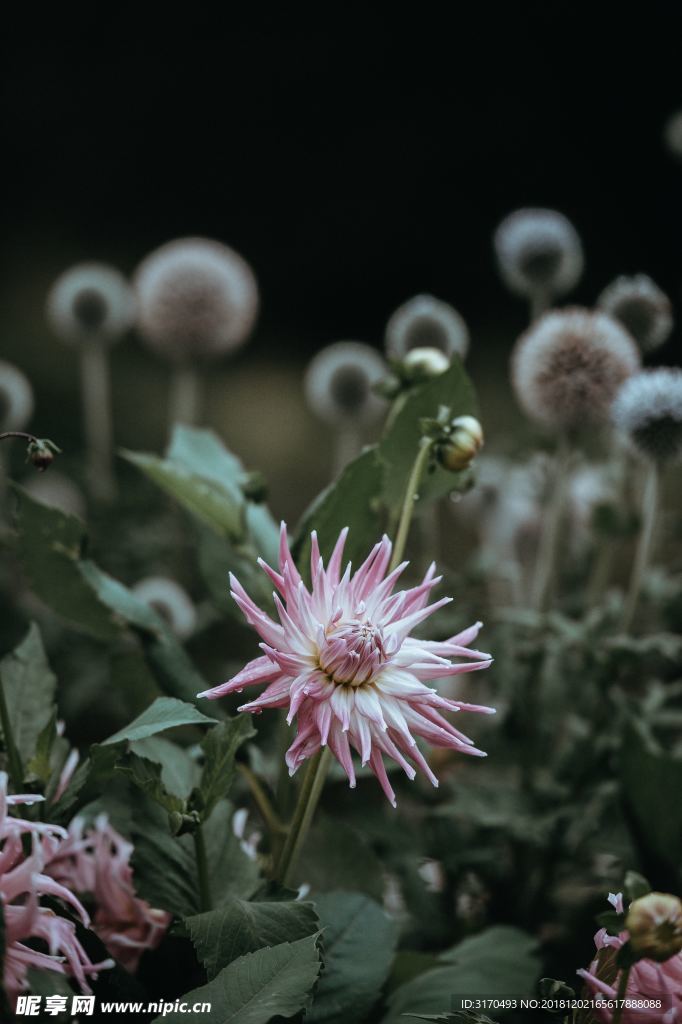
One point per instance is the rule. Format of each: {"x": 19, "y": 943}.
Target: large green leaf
{"x": 165, "y": 713}
{"x": 50, "y": 547}
{"x": 275, "y": 981}
{"x": 337, "y": 856}
{"x": 29, "y": 687}
{"x": 358, "y": 943}
{"x": 146, "y": 775}
{"x": 500, "y": 961}
{"x": 220, "y": 746}
{"x": 180, "y": 772}
{"x": 353, "y": 500}
{"x": 241, "y": 927}
{"x": 398, "y": 448}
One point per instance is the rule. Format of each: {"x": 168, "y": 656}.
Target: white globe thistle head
{"x": 426, "y": 322}
{"x": 58, "y": 491}
{"x": 423, "y": 363}
{"x": 197, "y": 298}
{"x": 569, "y": 365}
{"x": 91, "y": 302}
{"x": 16, "y": 398}
{"x": 672, "y": 134}
{"x": 171, "y": 601}
{"x": 339, "y": 383}
{"x": 648, "y": 412}
{"x": 538, "y": 252}
{"x": 641, "y": 307}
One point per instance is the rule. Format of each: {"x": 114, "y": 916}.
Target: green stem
{"x": 411, "y": 495}
{"x": 549, "y": 548}
{"x": 311, "y": 789}
{"x": 185, "y": 396}
{"x": 644, "y": 545}
{"x": 262, "y": 801}
{"x": 14, "y": 766}
{"x": 97, "y": 417}
{"x": 620, "y": 994}
{"x": 202, "y": 869}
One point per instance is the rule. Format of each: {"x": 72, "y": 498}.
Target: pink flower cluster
{"x": 648, "y": 981}
{"x": 343, "y": 662}
{"x": 23, "y": 881}
{"x": 96, "y": 863}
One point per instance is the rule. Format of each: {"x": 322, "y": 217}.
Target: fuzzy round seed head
{"x": 171, "y": 601}
{"x": 568, "y": 367}
{"x": 648, "y": 411}
{"x": 196, "y": 298}
{"x": 91, "y": 302}
{"x": 654, "y": 922}
{"x": 641, "y": 307}
{"x": 423, "y": 363}
{"x": 672, "y": 134}
{"x": 425, "y": 322}
{"x": 538, "y": 252}
{"x": 338, "y": 383}
{"x": 16, "y": 398}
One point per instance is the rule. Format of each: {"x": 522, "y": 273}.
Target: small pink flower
{"x": 342, "y": 661}
{"x": 96, "y": 863}
{"x": 648, "y": 980}
{"x": 22, "y": 882}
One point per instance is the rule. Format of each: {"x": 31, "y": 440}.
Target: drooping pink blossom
{"x": 648, "y": 981}
{"x": 23, "y": 882}
{"x": 343, "y": 662}
{"x": 95, "y": 862}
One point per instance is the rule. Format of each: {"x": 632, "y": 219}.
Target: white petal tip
{"x": 394, "y": 804}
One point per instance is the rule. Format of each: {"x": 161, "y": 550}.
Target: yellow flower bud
{"x": 655, "y": 925}
{"x": 463, "y": 444}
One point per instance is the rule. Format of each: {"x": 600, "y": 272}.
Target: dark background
{"x": 354, "y": 163}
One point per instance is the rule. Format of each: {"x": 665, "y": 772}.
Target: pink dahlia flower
{"x": 22, "y": 882}
{"x": 96, "y": 863}
{"x": 648, "y": 980}
{"x": 343, "y": 662}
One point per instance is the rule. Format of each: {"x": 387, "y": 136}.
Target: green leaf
{"x": 41, "y": 764}
{"x": 352, "y": 500}
{"x": 398, "y": 448}
{"x": 220, "y": 746}
{"x": 50, "y": 983}
{"x": 635, "y": 886}
{"x": 498, "y": 961}
{"x": 164, "y": 713}
{"x": 651, "y": 781}
{"x": 29, "y": 686}
{"x": 241, "y": 927}
{"x": 275, "y": 981}
{"x": 336, "y": 856}
{"x": 358, "y": 940}
{"x": 202, "y": 476}
{"x": 50, "y": 546}
{"x": 88, "y": 781}
{"x": 146, "y": 775}
{"x": 231, "y": 871}
{"x": 180, "y": 773}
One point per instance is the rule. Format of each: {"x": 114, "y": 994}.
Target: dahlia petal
{"x": 376, "y": 763}
{"x": 334, "y": 566}
{"x": 276, "y": 578}
{"x": 285, "y": 558}
{"x": 268, "y": 630}
{"x": 340, "y": 747}
{"x": 402, "y": 627}
{"x": 260, "y": 670}
{"x": 436, "y": 671}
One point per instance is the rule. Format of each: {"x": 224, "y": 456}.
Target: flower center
{"x": 353, "y": 653}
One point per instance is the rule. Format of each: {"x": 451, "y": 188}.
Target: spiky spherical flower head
{"x": 16, "y": 398}
{"x": 654, "y": 922}
{"x": 641, "y": 307}
{"x": 538, "y": 253}
{"x": 197, "y": 298}
{"x": 339, "y": 383}
{"x": 425, "y": 322}
{"x": 568, "y": 367}
{"x": 171, "y": 601}
{"x": 462, "y": 444}
{"x": 91, "y": 302}
{"x": 342, "y": 661}
{"x": 648, "y": 411}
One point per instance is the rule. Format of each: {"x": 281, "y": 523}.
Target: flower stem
{"x": 202, "y": 869}
{"x": 549, "y": 547}
{"x": 15, "y": 768}
{"x": 313, "y": 782}
{"x": 262, "y": 801}
{"x": 185, "y": 395}
{"x": 621, "y": 994}
{"x": 411, "y": 495}
{"x": 96, "y": 397}
{"x": 644, "y": 544}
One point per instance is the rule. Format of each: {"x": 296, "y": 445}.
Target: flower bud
{"x": 654, "y": 922}
{"x": 463, "y": 442}
{"x": 41, "y": 452}
{"x": 421, "y": 363}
